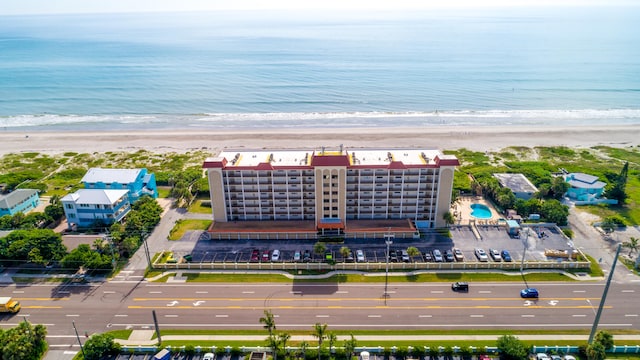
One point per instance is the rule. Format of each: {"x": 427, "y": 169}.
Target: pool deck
{"x": 462, "y": 211}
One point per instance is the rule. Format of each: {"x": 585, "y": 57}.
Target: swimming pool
{"x": 480, "y": 211}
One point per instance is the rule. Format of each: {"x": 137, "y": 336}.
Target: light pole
{"x": 78, "y": 337}
{"x": 596, "y": 320}
{"x": 524, "y": 252}
{"x": 388, "y": 240}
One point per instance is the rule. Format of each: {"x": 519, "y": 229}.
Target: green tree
{"x": 320, "y": 333}
{"x": 269, "y": 324}
{"x": 554, "y": 211}
{"x": 283, "y": 338}
{"x": 20, "y": 243}
{"x": 605, "y": 338}
{"x": 331, "y": 337}
{"x": 559, "y": 187}
{"x": 448, "y": 218}
{"x": 319, "y": 248}
{"x": 350, "y": 346}
{"x": 596, "y": 351}
{"x": 302, "y": 348}
{"x": 617, "y": 190}
{"x": 345, "y": 252}
{"x": 413, "y": 251}
{"x": 100, "y": 345}
{"x": 632, "y": 245}
{"x": 23, "y": 342}
{"x": 511, "y": 348}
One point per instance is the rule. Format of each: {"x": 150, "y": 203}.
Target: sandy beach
{"x": 481, "y": 138}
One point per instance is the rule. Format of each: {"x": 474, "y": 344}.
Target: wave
{"x": 322, "y": 119}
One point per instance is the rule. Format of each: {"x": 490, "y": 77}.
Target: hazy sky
{"x": 98, "y": 6}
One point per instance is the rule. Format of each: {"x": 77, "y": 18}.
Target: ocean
{"x": 246, "y": 69}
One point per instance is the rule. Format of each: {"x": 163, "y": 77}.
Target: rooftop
{"x": 108, "y": 176}
{"x": 516, "y": 182}
{"x": 95, "y": 196}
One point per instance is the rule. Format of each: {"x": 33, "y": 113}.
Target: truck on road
{"x": 7, "y": 304}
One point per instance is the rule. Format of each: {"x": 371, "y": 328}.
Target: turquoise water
{"x": 540, "y": 65}
{"x": 480, "y": 211}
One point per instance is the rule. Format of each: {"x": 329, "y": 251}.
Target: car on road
{"x": 495, "y": 255}
{"x": 427, "y": 256}
{"x": 481, "y": 255}
{"x": 297, "y": 256}
{"x": 360, "y": 256}
{"x": 460, "y": 286}
{"x": 437, "y": 256}
{"x": 405, "y": 256}
{"x": 448, "y": 256}
{"x": 266, "y": 256}
{"x": 457, "y": 253}
{"x": 306, "y": 256}
{"x": 209, "y": 356}
{"x": 506, "y": 256}
{"x": 275, "y": 255}
{"x": 529, "y": 293}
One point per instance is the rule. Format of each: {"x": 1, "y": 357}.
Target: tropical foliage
{"x": 24, "y": 342}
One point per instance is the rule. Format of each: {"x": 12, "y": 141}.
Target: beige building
{"x": 331, "y": 188}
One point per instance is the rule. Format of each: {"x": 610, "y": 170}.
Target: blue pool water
{"x": 480, "y": 211}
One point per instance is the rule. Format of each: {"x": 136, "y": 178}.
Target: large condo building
{"x": 331, "y": 187}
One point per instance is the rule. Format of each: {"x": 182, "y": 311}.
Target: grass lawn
{"x": 198, "y": 208}
{"x": 182, "y": 226}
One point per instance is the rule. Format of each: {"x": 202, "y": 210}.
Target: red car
{"x": 265, "y": 256}
{"x": 255, "y": 256}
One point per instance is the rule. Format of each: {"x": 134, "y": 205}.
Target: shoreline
{"x": 475, "y": 138}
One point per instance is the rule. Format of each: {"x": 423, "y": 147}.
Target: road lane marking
{"x": 628, "y": 291}
{"x": 376, "y": 307}
{"x": 18, "y": 292}
{"x": 342, "y": 292}
{"x": 171, "y": 316}
{"x": 248, "y": 292}
{"x": 121, "y": 315}
{"x": 63, "y": 292}
{"x": 579, "y": 315}
{"x": 322, "y": 316}
{"x": 527, "y": 316}
{"x": 437, "y": 291}
{"x": 425, "y": 316}
{"x": 631, "y": 315}
{"x": 202, "y": 292}
{"x": 108, "y": 292}
{"x": 155, "y": 292}
{"x": 223, "y": 316}
{"x": 476, "y": 316}
{"x": 73, "y": 315}
{"x": 579, "y": 291}
{"x": 374, "y": 316}
{"x": 484, "y": 292}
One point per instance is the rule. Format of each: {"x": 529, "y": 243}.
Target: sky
{"x": 13, "y": 7}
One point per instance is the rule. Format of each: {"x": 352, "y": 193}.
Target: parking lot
{"x": 492, "y": 237}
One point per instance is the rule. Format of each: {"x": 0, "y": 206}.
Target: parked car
{"x": 427, "y": 256}
{"x": 209, "y": 356}
{"x": 393, "y": 256}
{"x": 506, "y": 256}
{"x": 437, "y": 256}
{"x": 460, "y": 286}
{"x": 275, "y": 255}
{"x": 457, "y": 253}
{"x": 529, "y": 293}
{"x": 448, "y": 256}
{"x": 404, "y": 255}
{"x": 265, "y": 256}
{"x": 495, "y": 255}
{"x": 481, "y": 255}
{"x": 306, "y": 256}
{"x": 542, "y": 356}
{"x": 360, "y": 256}
{"x": 297, "y": 256}
{"x": 255, "y": 255}
{"x": 349, "y": 257}
{"x": 569, "y": 357}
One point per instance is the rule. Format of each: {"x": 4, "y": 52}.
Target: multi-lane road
{"x": 99, "y": 307}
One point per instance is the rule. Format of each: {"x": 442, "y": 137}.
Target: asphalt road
{"x": 128, "y": 305}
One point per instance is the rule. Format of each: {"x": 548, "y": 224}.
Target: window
{"x": 69, "y": 206}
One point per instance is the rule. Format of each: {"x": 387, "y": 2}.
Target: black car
{"x": 393, "y": 256}
{"x": 460, "y": 286}
{"x": 427, "y": 256}
{"x": 306, "y": 256}
{"x": 448, "y": 256}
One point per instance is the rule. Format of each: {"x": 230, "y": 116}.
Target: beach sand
{"x": 480, "y": 138}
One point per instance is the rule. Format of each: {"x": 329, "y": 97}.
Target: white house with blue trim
{"x": 85, "y": 207}
{"x": 585, "y": 188}
{"x": 138, "y": 181}
{"x": 20, "y": 200}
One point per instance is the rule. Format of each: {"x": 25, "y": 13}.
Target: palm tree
{"x": 282, "y": 339}
{"x": 270, "y": 325}
{"x": 320, "y": 334}
{"x": 332, "y": 339}
{"x": 448, "y": 218}
{"x": 632, "y": 245}
{"x": 303, "y": 349}
{"x": 345, "y": 252}
{"x": 350, "y": 346}
{"x": 319, "y": 248}
{"x": 413, "y": 251}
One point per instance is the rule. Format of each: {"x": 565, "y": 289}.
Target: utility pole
{"x": 596, "y": 320}
{"x": 144, "y": 236}
{"x": 78, "y": 337}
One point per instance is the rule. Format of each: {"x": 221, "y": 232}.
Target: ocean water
{"x": 491, "y": 66}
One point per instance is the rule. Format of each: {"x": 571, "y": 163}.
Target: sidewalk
{"x": 144, "y": 338}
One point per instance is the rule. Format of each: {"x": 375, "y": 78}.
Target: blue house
{"x": 21, "y": 200}
{"x": 584, "y": 187}
{"x": 87, "y": 206}
{"x": 137, "y": 181}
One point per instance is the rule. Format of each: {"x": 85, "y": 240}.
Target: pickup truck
{"x": 7, "y": 304}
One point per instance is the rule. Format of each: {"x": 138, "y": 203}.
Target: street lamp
{"x": 388, "y": 240}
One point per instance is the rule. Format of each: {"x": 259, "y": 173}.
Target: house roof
{"x": 16, "y": 197}
{"x": 584, "y": 181}
{"x": 95, "y": 196}
{"x": 518, "y": 183}
{"x": 108, "y": 176}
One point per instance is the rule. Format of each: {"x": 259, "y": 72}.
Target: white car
{"x": 495, "y": 255}
{"x": 481, "y": 255}
{"x": 437, "y": 256}
{"x": 275, "y": 255}
{"x": 360, "y": 256}
{"x": 209, "y": 356}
